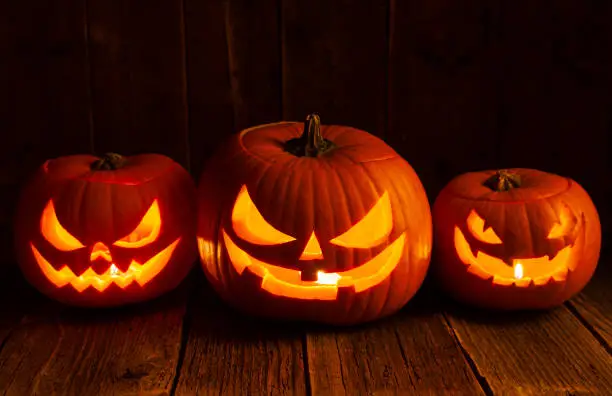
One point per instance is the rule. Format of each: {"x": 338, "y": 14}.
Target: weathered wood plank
{"x": 233, "y": 70}
{"x": 335, "y": 62}
{"x": 44, "y": 100}
{"x": 138, "y": 77}
{"x": 230, "y": 354}
{"x": 413, "y": 352}
{"x": 534, "y": 353}
{"x": 211, "y": 111}
{"x": 60, "y": 350}
{"x": 17, "y": 296}
{"x": 594, "y": 304}
{"x": 253, "y": 40}
{"x": 556, "y": 90}
{"x": 443, "y": 89}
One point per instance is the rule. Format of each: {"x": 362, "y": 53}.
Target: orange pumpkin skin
{"x": 83, "y": 221}
{"x": 311, "y": 201}
{"x": 515, "y": 239}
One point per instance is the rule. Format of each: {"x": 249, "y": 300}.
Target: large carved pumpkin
{"x": 299, "y": 221}
{"x": 107, "y": 231}
{"x": 515, "y": 239}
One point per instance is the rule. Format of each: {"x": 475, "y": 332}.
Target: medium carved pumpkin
{"x": 515, "y": 239}
{"x": 310, "y": 222}
{"x": 107, "y": 231}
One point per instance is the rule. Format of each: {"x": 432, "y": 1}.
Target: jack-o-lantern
{"x": 107, "y": 231}
{"x": 515, "y": 239}
{"x": 311, "y": 222}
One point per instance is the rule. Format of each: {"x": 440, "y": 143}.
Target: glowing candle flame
{"x": 114, "y": 270}
{"x": 327, "y": 279}
{"x": 518, "y": 270}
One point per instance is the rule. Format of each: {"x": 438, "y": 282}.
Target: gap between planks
{"x": 55, "y": 349}
{"x": 566, "y": 349}
{"x": 593, "y": 307}
{"x": 402, "y": 354}
{"x": 399, "y": 347}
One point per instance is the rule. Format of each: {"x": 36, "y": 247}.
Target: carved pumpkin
{"x": 515, "y": 239}
{"x": 107, "y": 231}
{"x": 313, "y": 223}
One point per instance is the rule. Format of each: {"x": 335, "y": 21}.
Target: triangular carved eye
{"x": 372, "y": 229}
{"x": 476, "y": 226}
{"x": 55, "y": 233}
{"x": 250, "y": 225}
{"x": 145, "y": 232}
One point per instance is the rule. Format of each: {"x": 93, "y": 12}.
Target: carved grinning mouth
{"x": 136, "y": 272}
{"x": 523, "y": 272}
{"x": 285, "y": 282}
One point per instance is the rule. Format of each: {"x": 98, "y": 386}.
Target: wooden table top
{"x": 189, "y": 342}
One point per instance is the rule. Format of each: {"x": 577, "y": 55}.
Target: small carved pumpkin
{"x": 515, "y": 239}
{"x": 107, "y": 231}
{"x": 317, "y": 223}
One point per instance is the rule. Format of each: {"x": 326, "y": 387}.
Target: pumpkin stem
{"x": 503, "y": 180}
{"x": 312, "y": 130}
{"x": 311, "y": 143}
{"x": 109, "y": 161}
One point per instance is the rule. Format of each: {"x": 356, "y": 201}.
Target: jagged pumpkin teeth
{"x": 525, "y": 228}
{"x": 107, "y": 231}
{"x": 313, "y": 222}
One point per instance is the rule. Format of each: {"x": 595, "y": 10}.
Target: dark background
{"x": 453, "y": 86}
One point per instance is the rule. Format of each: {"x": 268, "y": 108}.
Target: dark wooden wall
{"x": 453, "y": 86}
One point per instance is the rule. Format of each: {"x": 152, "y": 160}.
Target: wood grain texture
{"x": 335, "y": 62}
{"x": 126, "y": 351}
{"x": 443, "y": 107}
{"x": 44, "y": 100}
{"x": 22, "y": 297}
{"x": 534, "y": 353}
{"x": 233, "y": 70}
{"x": 211, "y": 109}
{"x": 138, "y": 77}
{"x": 557, "y": 90}
{"x": 230, "y": 354}
{"x": 253, "y": 40}
{"x": 594, "y": 304}
{"x": 413, "y": 352}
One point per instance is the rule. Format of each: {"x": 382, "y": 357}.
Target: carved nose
{"x": 312, "y": 251}
{"x": 100, "y": 250}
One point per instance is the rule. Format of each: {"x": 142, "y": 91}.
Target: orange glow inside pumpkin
{"x": 565, "y": 224}
{"x": 523, "y": 272}
{"x": 55, "y": 233}
{"x": 100, "y": 250}
{"x": 372, "y": 230}
{"x": 288, "y": 283}
{"x": 145, "y": 233}
{"x": 250, "y": 225}
{"x": 312, "y": 251}
{"x": 209, "y": 255}
{"x": 140, "y": 273}
{"x": 476, "y": 225}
